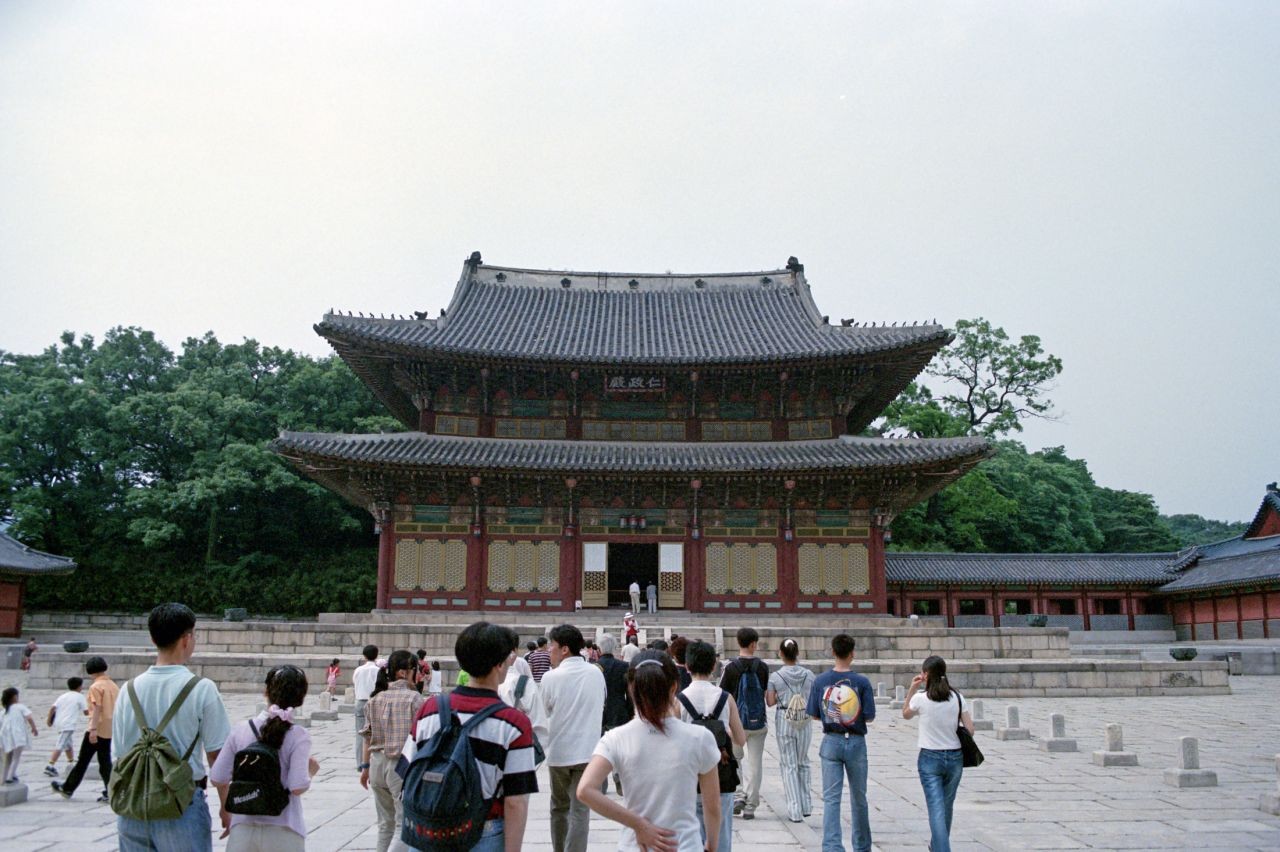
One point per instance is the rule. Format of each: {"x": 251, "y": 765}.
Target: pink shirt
{"x": 294, "y": 755}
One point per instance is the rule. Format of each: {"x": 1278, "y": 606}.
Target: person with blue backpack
{"x": 747, "y": 680}
{"x": 469, "y": 767}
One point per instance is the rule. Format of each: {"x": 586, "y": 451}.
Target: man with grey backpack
{"x": 789, "y": 693}
{"x": 162, "y": 716}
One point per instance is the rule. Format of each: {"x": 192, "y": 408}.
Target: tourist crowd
{"x": 680, "y": 736}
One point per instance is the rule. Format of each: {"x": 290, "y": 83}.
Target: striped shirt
{"x": 389, "y": 717}
{"x": 502, "y": 744}
{"x": 539, "y": 663}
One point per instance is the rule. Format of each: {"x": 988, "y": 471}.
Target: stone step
{"x": 976, "y": 677}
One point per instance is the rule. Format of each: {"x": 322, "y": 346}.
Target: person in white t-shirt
{"x": 364, "y": 679}
{"x": 941, "y": 762}
{"x": 64, "y": 716}
{"x": 659, "y": 758}
{"x": 704, "y": 697}
{"x": 634, "y": 591}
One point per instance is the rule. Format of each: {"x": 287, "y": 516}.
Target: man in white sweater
{"x": 572, "y": 697}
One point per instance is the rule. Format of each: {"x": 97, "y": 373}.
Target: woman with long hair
{"x": 286, "y": 689}
{"x": 940, "y": 762}
{"x": 788, "y": 693}
{"x": 659, "y": 759}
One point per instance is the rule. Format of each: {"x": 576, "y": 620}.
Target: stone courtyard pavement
{"x": 1021, "y": 798}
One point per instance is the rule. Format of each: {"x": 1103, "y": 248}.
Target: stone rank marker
{"x": 1188, "y": 773}
{"x": 899, "y": 697}
{"x": 1012, "y": 729}
{"x": 12, "y": 794}
{"x": 1057, "y": 741}
{"x": 881, "y": 695}
{"x": 979, "y": 716}
{"x": 1114, "y": 754}
{"x": 1270, "y": 802}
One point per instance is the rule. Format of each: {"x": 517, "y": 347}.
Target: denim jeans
{"x": 193, "y": 830}
{"x": 726, "y": 821}
{"x": 940, "y": 773}
{"x": 491, "y": 840}
{"x": 844, "y": 756}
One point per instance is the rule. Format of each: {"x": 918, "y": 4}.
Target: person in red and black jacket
{"x": 502, "y": 744}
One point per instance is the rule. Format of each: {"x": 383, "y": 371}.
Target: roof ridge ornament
{"x": 474, "y": 261}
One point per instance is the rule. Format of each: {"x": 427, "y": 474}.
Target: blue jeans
{"x": 940, "y": 773}
{"x": 844, "y": 755}
{"x": 491, "y": 839}
{"x": 726, "y": 821}
{"x": 193, "y": 830}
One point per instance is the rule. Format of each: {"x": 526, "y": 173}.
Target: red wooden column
{"x": 386, "y": 553}
{"x": 1085, "y": 600}
{"x": 788, "y": 571}
{"x": 995, "y": 609}
{"x": 1266, "y": 613}
{"x": 950, "y": 604}
{"x": 1239, "y": 616}
{"x": 875, "y": 558}
{"x": 1128, "y": 607}
{"x": 1214, "y": 601}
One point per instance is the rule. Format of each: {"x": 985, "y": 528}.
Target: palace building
{"x": 573, "y": 432}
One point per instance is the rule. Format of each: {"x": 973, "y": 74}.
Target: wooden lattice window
{"x": 524, "y": 566}
{"x": 739, "y": 568}
{"x": 834, "y": 569}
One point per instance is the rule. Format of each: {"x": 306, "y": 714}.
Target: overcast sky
{"x": 1105, "y": 175}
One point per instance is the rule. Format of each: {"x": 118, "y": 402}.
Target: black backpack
{"x": 444, "y": 803}
{"x": 256, "y": 788}
{"x": 728, "y": 763}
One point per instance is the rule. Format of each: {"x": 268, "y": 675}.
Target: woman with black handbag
{"x": 941, "y": 761}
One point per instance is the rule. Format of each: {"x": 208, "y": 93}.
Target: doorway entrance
{"x": 631, "y": 563}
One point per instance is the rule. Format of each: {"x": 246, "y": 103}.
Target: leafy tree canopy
{"x": 154, "y": 465}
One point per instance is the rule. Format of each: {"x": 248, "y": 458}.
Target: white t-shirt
{"x": 68, "y": 710}
{"x": 572, "y": 698}
{"x": 659, "y": 771}
{"x": 364, "y": 679}
{"x": 938, "y": 721}
{"x": 703, "y": 695}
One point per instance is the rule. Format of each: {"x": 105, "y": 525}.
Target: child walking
{"x": 331, "y": 676}
{"x": 64, "y": 716}
{"x": 13, "y": 732}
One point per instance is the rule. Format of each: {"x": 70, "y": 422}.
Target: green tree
{"x": 992, "y": 382}
{"x": 1194, "y": 529}
{"x": 151, "y": 468}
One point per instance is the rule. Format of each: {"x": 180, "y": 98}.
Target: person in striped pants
{"x": 788, "y": 693}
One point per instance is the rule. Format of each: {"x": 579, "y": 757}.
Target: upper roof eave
{"x": 684, "y": 319}
{"x": 931, "y": 339}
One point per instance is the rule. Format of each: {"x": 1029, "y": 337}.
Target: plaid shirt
{"x": 389, "y": 718}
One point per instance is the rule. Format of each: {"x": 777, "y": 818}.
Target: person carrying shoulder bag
{"x": 941, "y": 760}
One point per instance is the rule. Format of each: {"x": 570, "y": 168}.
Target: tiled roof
{"x": 1026, "y": 568}
{"x": 17, "y": 558}
{"x": 415, "y": 449}
{"x": 607, "y": 318}
{"x": 1260, "y": 566}
{"x": 1270, "y": 504}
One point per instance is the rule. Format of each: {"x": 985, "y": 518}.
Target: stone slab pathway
{"x": 1021, "y": 798}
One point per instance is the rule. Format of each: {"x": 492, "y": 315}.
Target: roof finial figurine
{"x": 474, "y": 261}
{"x": 420, "y": 315}
{"x": 794, "y": 265}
